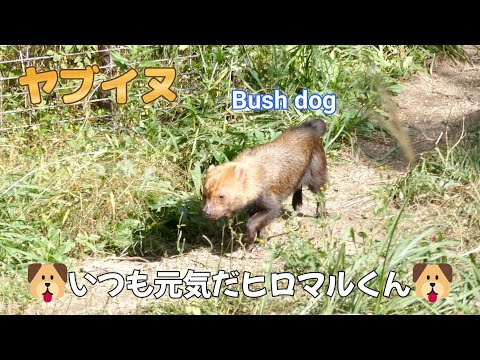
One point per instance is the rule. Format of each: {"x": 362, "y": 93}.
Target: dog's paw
{"x": 249, "y": 247}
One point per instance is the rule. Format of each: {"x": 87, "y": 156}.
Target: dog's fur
{"x": 432, "y": 280}
{"x": 260, "y": 179}
{"x": 47, "y": 281}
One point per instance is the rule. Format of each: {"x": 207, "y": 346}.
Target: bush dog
{"x": 260, "y": 179}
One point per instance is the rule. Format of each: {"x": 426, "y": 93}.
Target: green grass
{"x": 95, "y": 189}
{"x": 398, "y": 252}
{"x": 448, "y": 181}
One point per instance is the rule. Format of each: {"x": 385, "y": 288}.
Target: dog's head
{"x": 432, "y": 280}
{"x": 225, "y": 190}
{"x": 47, "y": 282}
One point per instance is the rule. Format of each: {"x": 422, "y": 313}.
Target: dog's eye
{"x": 43, "y": 277}
{"x": 221, "y": 196}
{"x": 51, "y": 277}
{"x": 436, "y": 277}
{"x": 428, "y": 277}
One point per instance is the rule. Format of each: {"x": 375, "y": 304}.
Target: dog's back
{"x": 294, "y": 160}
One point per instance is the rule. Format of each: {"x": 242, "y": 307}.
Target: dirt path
{"x": 431, "y": 107}
{"x": 434, "y": 107}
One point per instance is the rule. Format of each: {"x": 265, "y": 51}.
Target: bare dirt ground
{"x": 431, "y": 106}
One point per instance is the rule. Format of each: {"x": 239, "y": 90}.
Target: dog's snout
{"x": 432, "y": 284}
{"x": 47, "y": 284}
{"x": 207, "y": 210}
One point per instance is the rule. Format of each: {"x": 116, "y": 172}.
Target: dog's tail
{"x": 317, "y": 125}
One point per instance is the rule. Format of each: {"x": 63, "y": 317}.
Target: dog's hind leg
{"x": 318, "y": 177}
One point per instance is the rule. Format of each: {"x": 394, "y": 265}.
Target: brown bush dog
{"x": 260, "y": 179}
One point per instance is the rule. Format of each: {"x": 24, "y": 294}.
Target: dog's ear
{"x": 32, "y": 271}
{"x": 418, "y": 270}
{"x": 239, "y": 172}
{"x": 62, "y": 271}
{"x": 447, "y": 271}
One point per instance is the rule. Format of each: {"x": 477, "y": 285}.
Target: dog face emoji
{"x": 432, "y": 281}
{"x": 47, "y": 282}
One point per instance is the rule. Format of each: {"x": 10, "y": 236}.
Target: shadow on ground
{"x": 182, "y": 228}
{"x": 381, "y": 149}
{"x": 433, "y": 108}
